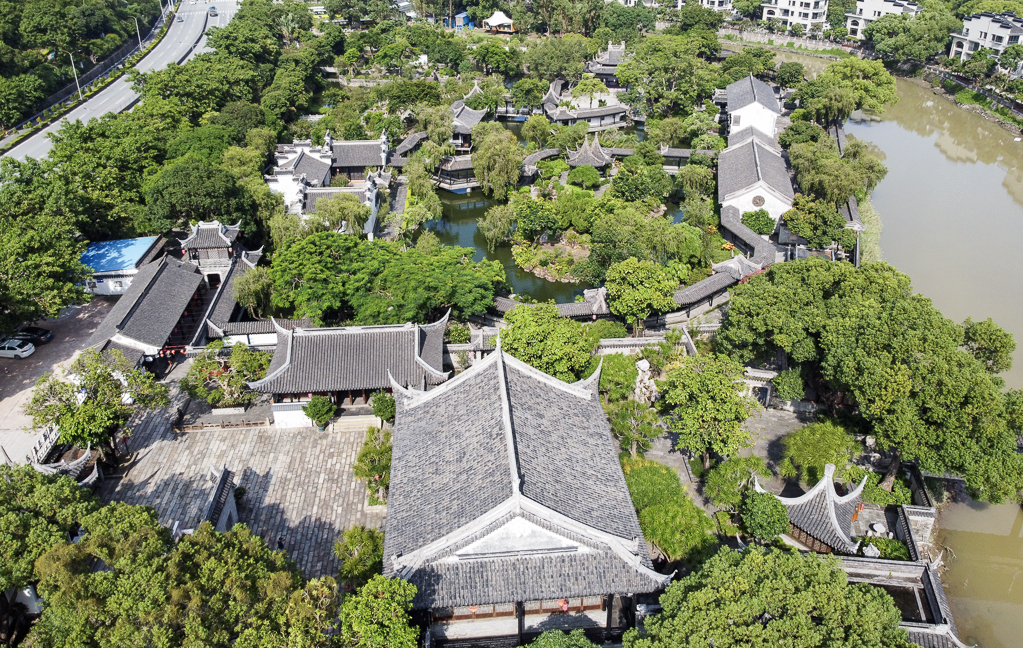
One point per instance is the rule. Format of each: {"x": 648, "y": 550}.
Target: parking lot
{"x": 70, "y": 333}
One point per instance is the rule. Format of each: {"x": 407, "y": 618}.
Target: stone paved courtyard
{"x": 299, "y": 482}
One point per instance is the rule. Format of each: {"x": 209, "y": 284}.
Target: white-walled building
{"x": 993, "y": 31}
{"x": 752, "y": 104}
{"x": 752, "y": 175}
{"x": 716, "y": 5}
{"x": 805, "y": 12}
{"x": 867, "y": 11}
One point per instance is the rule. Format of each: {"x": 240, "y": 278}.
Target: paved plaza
{"x": 299, "y": 482}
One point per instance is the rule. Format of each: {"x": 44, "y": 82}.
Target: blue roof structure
{"x": 110, "y": 256}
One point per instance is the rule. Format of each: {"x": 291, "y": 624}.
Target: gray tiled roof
{"x": 210, "y": 235}
{"x": 218, "y": 499}
{"x": 502, "y": 442}
{"x": 410, "y": 142}
{"x": 533, "y": 158}
{"x": 259, "y": 326}
{"x": 151, "y": 307}
{"x": 132, "y": 355}
{"x": 316, "y": 171}
{"x": 742, "y": 134}
{"x": 594, "y": 303}
{"x": 457, "y": 163}
{"x": 931, "y": 639}
{"x": 823, "y": 515}
{"x": 313, "y": 195}
{"x": 591, "y": 153}
{"x": 703, "y": 289}
{"x": 746, "y": 164}
{"x": 526, "y": 577}
{"x": 361, "y": 153}
{"x": 399, "y": 195}
{"x": 562, "y": 113}
{"x": 751, "y": 90}
{"x": 763, "y": 251}
{"x": 466, "y": 117}
{"x": 354, "y": 358}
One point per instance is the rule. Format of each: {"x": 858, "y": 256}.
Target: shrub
{"x": 890, "y": 548}
{"x": 605, "y": 329}
{"x": 560, "y": 639}
{"x": 764, "y": 516}
{"x": 725, "y": 525}
{"x": 808, "y": 450}
{"x": 788, "y": 385}
{"x": 874, "y": 494}
{"x": 361, "y": 552}
{"x": 668, "y": 517}
{"x": 759, "y": 221}
{"x": 584, "y": 176}
{"x": 383, "y": 406}
{"x": 319, "y": 410}
{"x": 617, "y": 375}
{"x": 800, "y": 132}
{"x": 222, "y": 381}
{"x": 727, "y": 481}
{"x": 374, "y": 462}
{"x": 458, "y": 333}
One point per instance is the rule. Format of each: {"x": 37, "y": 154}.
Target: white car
{"x": 19, "y": 349}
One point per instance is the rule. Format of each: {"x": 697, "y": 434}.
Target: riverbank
{"x": 870, "y": 240}
{"x": 928, "y": 81}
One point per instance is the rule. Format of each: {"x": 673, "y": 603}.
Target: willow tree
{"x": 496, "y": 160}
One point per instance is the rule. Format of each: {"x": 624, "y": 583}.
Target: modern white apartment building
{"x": 994, "y": 31}
{"x": 790, "y": 12}
{"x": 716, "y": 5}
{"x": 867, "y": 11}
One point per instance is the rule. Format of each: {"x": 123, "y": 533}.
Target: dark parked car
{"x": 33, "y": 334}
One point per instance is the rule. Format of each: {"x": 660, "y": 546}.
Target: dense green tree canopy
{"x": 764, "y": 516}
{"x": 918, "y": 38}
{"x": 36, "y": 512}
{"x": 39, "y": 268}
{"x": 865, "y": 334}
{"x": 540, "y": 337}
{"x": 333, "y": 277}
{"x": 639, "y": 288}
{"x": 848, "y": 85}
{"x": 669, "y": 74}
{"x": 759, "y": 598}
{"x": 104, "y": 378}
{"x": 705, "y": 404}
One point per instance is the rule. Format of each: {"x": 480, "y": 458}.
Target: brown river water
{"x": 952, "y": 209}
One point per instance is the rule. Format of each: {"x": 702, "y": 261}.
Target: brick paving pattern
{"x": 299, "y": 482}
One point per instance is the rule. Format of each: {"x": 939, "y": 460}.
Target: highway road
{"x": 181, "y": 43}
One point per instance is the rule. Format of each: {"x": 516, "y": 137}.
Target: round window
{"x": 758, "y": 201}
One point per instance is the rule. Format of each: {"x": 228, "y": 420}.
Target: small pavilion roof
{"x": 822, "y": 514}
{"x": 591, "y": 153}
{"x": 465, "y": 117}
{"x": 213, "y": 234}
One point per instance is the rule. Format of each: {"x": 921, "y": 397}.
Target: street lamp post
{"x": 137, "y": 32}
{"x": 75, "y": 72}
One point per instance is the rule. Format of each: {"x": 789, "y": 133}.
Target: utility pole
{"x": 137, "y": 32}
{"x": 75, "y": 72}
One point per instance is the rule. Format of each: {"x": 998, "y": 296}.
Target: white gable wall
{"x": 757, "y": 116}
{"x": 773, "y": 203}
